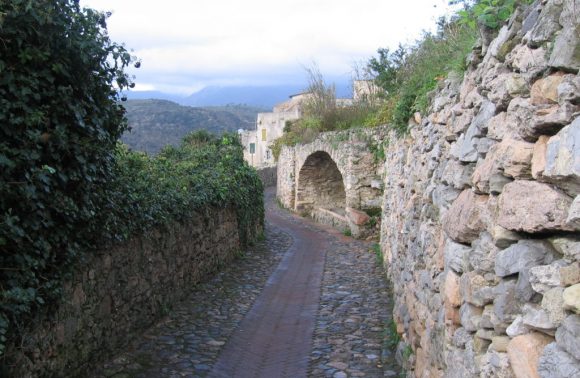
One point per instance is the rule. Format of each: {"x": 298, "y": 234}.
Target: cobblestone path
{"x": 249, "y": 322}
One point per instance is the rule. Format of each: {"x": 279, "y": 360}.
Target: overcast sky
{"x": 187, "y": 45}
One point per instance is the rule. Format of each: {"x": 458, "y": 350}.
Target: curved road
{"x": 307, "y": 302}
{"x": 274, "y": 340}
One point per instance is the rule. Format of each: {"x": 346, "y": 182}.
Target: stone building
{"x": 269, "y": 127}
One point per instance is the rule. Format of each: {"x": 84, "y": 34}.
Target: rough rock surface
{"x": 499, "y": 246}
{"x": 520, "y": 210}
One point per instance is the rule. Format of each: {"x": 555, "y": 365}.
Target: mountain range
{"x": 264, "y": 97}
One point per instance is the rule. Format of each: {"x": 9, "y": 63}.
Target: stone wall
{"x": 268, "y": 176}
{"x": 481, "y": 210}
{"x": 337, "y": 171}
{"x": 117, "y": 293}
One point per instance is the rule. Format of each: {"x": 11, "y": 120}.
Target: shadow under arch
{"x": 320, "y": 185}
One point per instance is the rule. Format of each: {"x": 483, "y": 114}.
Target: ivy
{"x": 66, "y": 185}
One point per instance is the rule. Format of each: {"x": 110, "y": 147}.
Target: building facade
{"x": 269, "y": 127}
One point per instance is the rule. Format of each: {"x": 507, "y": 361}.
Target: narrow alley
{"x": 306, "y": 302}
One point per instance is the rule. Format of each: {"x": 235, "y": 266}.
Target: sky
{"x": 185, "y": 46}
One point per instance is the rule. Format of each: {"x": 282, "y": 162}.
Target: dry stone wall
{"x": 481, "y": 210}
{"x": 268, "y": 176}
{"x": 119, "y": 292}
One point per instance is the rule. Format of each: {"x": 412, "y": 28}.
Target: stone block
{"x": 555, "y": 362}
{"x": 500, "y": 343}
{"x": 525, "y": 254}
{"x": 482, "y": 257}
{"x": 480, "y": 345}
{"x": 524, "y": 290}
{"x": 475, "y": 289}
{"x": 545, "y": 277}
{"x": 549, "y": 120}
{"x": 470, "y": 317}
{"x": 569, "y": 246}
{"x": 527, "y": 60}
{"x": 463, "y": 222}
{"x": 570, "y": 275}
{"x": 517, "y": 327}
{"x": 524, "y": 354}
{"x": 503, "y": 237}
{"x": 532, "y": 207}
{"x": 573, "y": 220}
{"x": 511, "y": 158}
{"x": 518, "y": 120}
{"x": 466, "y": 149}
{"x": 495, "y": 365}
{"x": 568, "y": 336}
{"x": 488, "y": 317}
{"x": 451, "y": 289}
{"x": 571, "y": 296}
{"x": 457, "y": 256}
{"x": 357, "y": 217}
{"x": 553, "y": 304}
{"x": 506, "y": 306}
{"x": 457, "y": 175}
{"x": 547, "y": 24}
{"x": 562, "y": 161}
{"x": 569, "y": 89}
{"x": 460, "y": 337}
{"x": 545, "y": 90}
{"x": 539, "y": 156}
{"x": 566, "y": 52}
{"x": 498, "y": 127}
{"x": 535, "y": 317}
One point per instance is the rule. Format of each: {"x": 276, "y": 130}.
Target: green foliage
{"x": 347, "y": 232}
{"x": 205, "y": 170}
{"x": 409, "y": 74}
{"x": 490, "y": 13}
{"x": 376, "y": 248}
{"x": 407, "y": 352}
{"x": 60, "y": 119}
{"x": 66, "y": 187}
{"x": 391, "y": 337}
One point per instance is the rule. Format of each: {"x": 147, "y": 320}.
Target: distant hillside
{"x": 156, "y": 123}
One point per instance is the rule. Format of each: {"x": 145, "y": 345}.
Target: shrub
{"x": 66, "y": 186}
{"x": 60, "y": 121}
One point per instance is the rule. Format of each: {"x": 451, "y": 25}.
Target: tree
{"x": 60, "y": 117}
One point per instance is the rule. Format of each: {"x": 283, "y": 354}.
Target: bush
{"x": 66, "y": 186}
{"x": 60, "y": 121}
{"x": 409, "y": 74}
{"x": 205, "y": 170}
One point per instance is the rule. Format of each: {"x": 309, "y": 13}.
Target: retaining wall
{"x": 481, "y": 211}
{"x": 117, "y": 293}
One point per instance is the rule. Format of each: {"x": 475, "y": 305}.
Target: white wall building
{"x": 269, "y": 127}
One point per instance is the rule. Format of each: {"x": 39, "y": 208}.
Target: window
{"x": 252, "y": 148}
{"x": 268, "y": 154}
{"x": 263, "y": 135}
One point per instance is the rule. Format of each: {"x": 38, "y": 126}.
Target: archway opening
{"x": 320, "y": 185}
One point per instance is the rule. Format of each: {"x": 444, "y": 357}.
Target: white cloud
{"x": 187, "y": 44}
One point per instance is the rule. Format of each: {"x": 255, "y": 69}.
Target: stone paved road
{"x": 248, "y": 321}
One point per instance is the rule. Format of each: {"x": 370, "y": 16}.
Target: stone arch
{"x": 320, "y": 184}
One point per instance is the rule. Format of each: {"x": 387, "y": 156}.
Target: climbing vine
{"x": 66, "y": 185}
